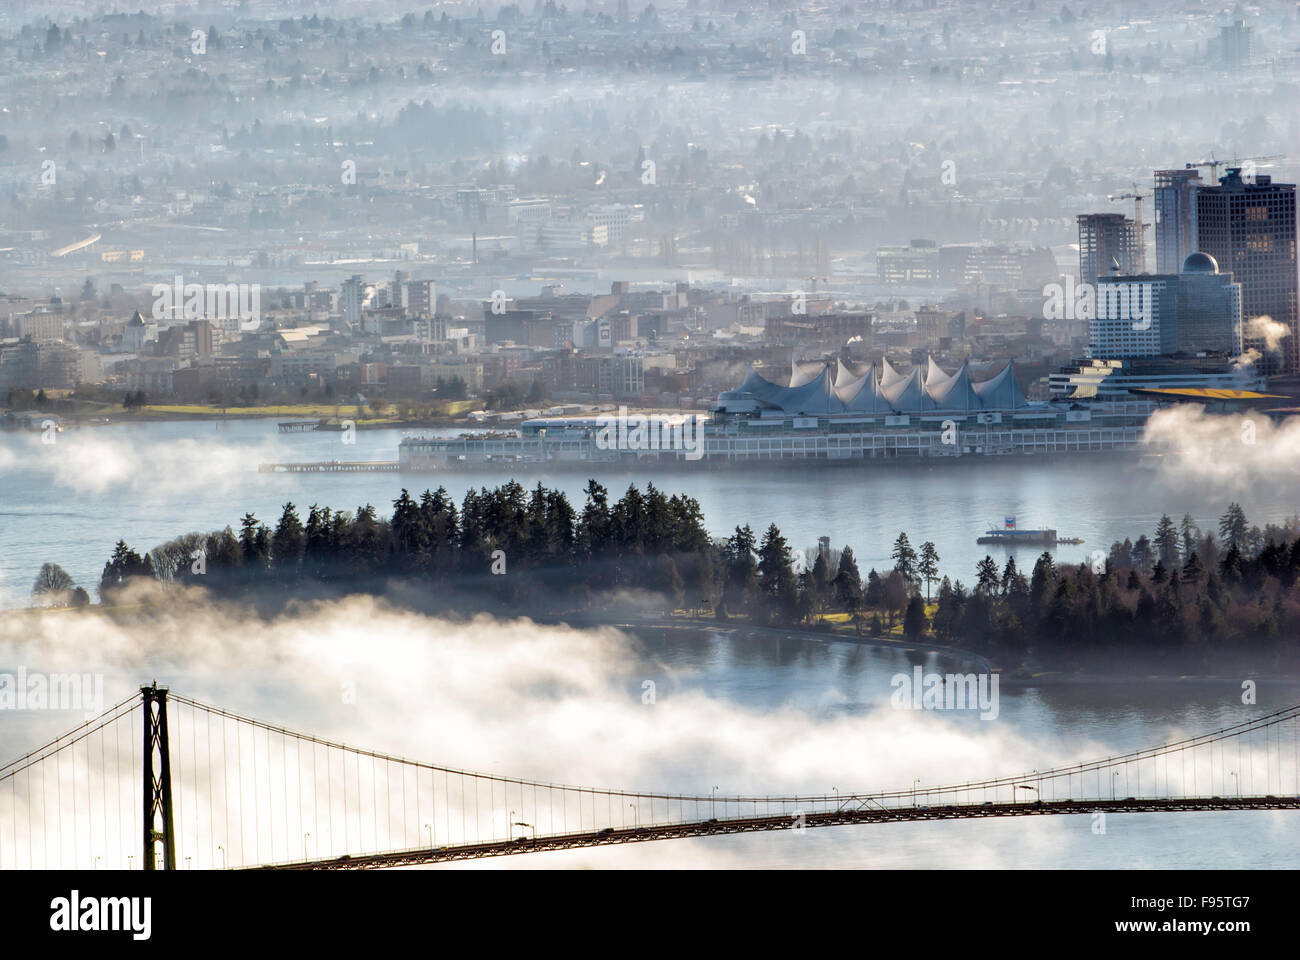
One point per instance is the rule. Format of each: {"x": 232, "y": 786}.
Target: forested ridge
{"x": 1180, "y": 594}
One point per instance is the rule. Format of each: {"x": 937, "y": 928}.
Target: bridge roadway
{"x": 789, "y": 821}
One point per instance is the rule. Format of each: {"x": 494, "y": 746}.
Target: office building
{"x": 418, "y": 298}
{"x": 1236, "y": 44}
{"x": 36, "y": 326}
{"x": 1250, "y": 231}
{"x": 1194, "y": 312}
{"x": 1134, "y": 317}
{"x": 354, "y": 294}
{"x": 1174, "y": 193}
{"x": 916, "y": 263}
{"x": 1207, "y": 308}
{"x": 1106, "y": 239}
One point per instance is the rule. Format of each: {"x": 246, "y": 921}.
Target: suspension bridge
{"x": 160, "y": 781}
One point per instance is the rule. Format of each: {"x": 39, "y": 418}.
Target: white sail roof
{"x": 847, "y": 372}
{"x": 953, "y": 391}
{"x": 888, "y": 375}
{"x": 802, "y": 372}
{"x": 1001, "y": 392}
{"x": 813, "y": 389}
{"x": 907, "y": 393}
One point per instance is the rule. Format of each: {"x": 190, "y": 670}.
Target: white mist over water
{"x": 554, "y": 703}
{"x": 1244, "y": 454}
{"x": 515, "y": 697}
{"x": 96, "y": 463}
{"x": 750, "y": 716}
{"x": 149, "y": 482}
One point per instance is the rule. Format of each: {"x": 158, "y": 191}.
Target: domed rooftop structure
{"x": 1200, "y": 263}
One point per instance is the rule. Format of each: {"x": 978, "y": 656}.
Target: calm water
{"x": 69, "y": 502}
{"x": 1035, "y": 728}
{"x": 749, "y": 715}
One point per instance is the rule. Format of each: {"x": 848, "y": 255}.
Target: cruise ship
{"x": 827, "y": 411}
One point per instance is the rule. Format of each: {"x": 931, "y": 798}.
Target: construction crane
{"x": 1137, "y": 199}
{"x": 1214, "y": 165}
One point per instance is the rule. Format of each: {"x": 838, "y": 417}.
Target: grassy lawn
{"x": 298, "y": 411}
{"x": 842, "y": 622}
{"x": 283, "y": 411}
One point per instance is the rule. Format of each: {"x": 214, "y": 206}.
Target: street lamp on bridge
{"x": 636, "y": 815}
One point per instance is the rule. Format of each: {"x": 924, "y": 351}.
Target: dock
{"x": 299, "y": 426}
{"x": 333, "y": 466}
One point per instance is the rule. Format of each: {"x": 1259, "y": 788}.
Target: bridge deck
{"x": 394, "y": 799}
{"x": 834, "y": 818}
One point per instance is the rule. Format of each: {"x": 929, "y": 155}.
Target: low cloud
{"x": 552, "y": 703}
{"x": 516, "y": 698}
{"x": 92, "y": 461}
{"x": 1265, "y": 328}
{"x": 1226, "y": 453}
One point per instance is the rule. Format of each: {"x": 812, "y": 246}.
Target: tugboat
{"x": 1010, "y": 536}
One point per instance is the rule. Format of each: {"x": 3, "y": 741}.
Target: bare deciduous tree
{"x": 53, "y": 586}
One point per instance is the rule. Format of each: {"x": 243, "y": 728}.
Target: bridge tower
{"x": 157, "y": 770}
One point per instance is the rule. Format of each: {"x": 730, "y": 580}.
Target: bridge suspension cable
{"x": 242, "y": 792}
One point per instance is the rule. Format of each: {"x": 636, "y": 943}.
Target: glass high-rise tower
{"x": 1250, "y": 230}
{"x": 1174, "y": 192}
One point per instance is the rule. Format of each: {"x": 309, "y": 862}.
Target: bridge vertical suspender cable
{"x": 72, "y": 824}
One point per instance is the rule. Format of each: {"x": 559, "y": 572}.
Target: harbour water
{"x": 740, "y": 712}
{"x": 70, "y": 501}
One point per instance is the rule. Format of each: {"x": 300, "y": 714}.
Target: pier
{"x": 299, "y": 426}
{"x": 332, "y": 466}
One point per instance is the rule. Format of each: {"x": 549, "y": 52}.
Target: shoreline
{"x": 1021, "y": 680}
{"x": 1017, "y": 678}
{"x": 73, "y": 421}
